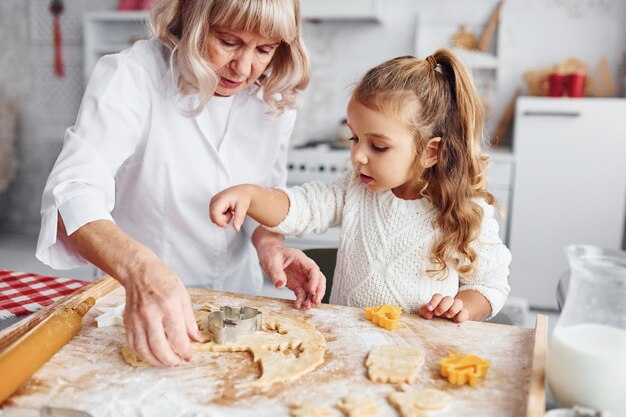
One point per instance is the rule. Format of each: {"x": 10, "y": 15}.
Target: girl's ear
{"x": 429, "y": 157}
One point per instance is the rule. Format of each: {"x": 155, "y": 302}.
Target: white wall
{"x": 534, "y": 34}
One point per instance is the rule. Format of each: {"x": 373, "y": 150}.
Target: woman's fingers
{"x": 190, "y": 323}
{"x": 292, "y": 268}
{"x": 159, "y": 346}
{"x": 140, "y": 345}
{"x": 320, "y": 290}
{"x": 314, "y": 281}
{"x": 176, "y": 334}
{"x": 275, "y": 269}
{"x": 312, "y": 278}
{"x": 300, "y": 296}
{"x": 159, "y": 317}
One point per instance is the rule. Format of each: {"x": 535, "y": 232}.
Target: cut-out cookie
{"x": 394, "y": 364}
{"x": 358, "y": 406}
{"x": 310, "y": 410}
{"x": 463, "y": 369}
{"x": 385, "y": 316}
{"x": 285, "y": 349}
{"x": 412, "y": 402}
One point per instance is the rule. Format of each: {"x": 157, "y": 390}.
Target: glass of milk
{"x": 586, "y": 360}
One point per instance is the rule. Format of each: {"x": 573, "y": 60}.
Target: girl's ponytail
{"x": 469, "y": 115}
{"x": 470, "y": 109}
{"x": 461, "y": 173}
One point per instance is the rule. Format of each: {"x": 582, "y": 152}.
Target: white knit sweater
{"x": 385, "y": 245}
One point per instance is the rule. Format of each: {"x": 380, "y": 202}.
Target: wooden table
{"x": 89, "y": 373}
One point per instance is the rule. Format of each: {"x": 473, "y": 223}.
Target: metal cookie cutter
{"x": 229, "y": 323}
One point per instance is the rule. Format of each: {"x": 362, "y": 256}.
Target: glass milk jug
{"x": 586, "y": 360}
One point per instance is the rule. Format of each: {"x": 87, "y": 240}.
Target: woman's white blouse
{"x": 134, "y": 159}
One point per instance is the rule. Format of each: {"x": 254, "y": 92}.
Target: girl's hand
{"x": 445, "y": 307}
{"x": 231, "y": 204}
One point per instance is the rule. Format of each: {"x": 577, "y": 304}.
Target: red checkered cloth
{"x": 24, "y": 293}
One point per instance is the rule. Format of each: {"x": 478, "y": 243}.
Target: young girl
{"x": 418, "y": 224}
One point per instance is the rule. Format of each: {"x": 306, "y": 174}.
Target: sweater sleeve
{"x": 314, "y": 207}
{"x": 278, "y": 174}
{"x": 492, "y": 270}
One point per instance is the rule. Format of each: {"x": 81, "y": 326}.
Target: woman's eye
{"x": 228, "y": 43}
{"x": 265, "y": 51}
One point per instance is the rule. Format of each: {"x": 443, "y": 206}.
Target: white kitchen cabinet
{"x": 110, "y": 32}
{"x": 365, "y": 10}
{"x": 569, "y": 187}
{"x": 500, "y": 183}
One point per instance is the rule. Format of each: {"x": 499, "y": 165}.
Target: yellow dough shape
{"x": 357, "y": 406}
{"x": 385, "y": 316}
{"x": 413, "y": 402}
{"x": 310, "y": 410}
{"x": 463, "y": 369}
{"x": 392, "y": 363}
{"x": 285, "y": 349}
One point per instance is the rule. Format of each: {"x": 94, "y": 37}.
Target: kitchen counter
{"x": 89, "y": 373}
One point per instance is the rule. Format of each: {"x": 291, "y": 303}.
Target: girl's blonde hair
{"x": 183, "y": 27}
{"x": 437, "y": 98}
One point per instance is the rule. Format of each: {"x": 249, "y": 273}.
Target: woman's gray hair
{"x": 183, "y": 27}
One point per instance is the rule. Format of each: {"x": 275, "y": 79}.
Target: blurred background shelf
{"x": 110, "y": 32}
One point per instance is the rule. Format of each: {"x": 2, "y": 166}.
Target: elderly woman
{"x": 208, "y": 102}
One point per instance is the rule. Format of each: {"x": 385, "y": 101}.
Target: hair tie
{"x": 432, "y": 61}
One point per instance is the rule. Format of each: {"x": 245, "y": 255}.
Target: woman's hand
{"x": 445, "y": 307}
{"x": 291, "y": 268}
{"x": 231, "y": 204}
{"x": 159, "y": 318}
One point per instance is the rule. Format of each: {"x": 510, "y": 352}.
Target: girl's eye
{"x": 354, "y": 139}
{"x": 378, "y": 148}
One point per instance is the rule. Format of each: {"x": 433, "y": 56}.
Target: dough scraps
{"x": 412, "y": 402}
{"x": 358, "y": 406}
{"x": 392, "y": 363}
{"x": 285, "y": 349}
{"x": 310, "y": 410}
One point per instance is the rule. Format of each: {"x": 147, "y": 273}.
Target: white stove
{"x": 319, "y": 163}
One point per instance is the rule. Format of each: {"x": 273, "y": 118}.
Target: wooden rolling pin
{"x": 97, "y": 289}
{"x": 20, "y": 360}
